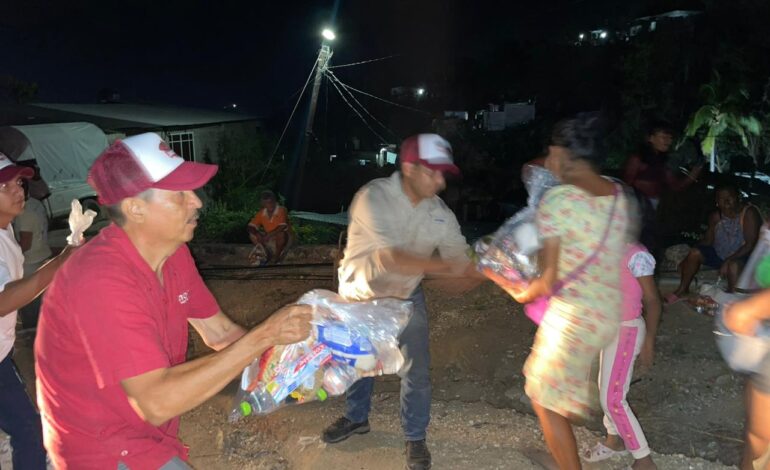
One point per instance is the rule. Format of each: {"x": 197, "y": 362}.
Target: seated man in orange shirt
{"x": 269, "y": 231}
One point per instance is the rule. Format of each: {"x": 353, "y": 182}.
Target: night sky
{"x": 257, "y": 53}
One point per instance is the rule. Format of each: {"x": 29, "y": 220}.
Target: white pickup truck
{"x": 64, "y": 152}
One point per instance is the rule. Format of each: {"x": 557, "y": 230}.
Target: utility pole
{"x": 323, "y": 62}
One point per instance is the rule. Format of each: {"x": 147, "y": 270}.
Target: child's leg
{"x": 606, "y": 361}
{"x": 616, "y": 371}
{"x": 757, "y": 425}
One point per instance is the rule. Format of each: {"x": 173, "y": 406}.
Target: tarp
{"x": 340, "y": 218}
{"x": 64, "y": 152}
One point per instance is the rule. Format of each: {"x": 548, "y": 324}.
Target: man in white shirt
{"x": 18, "y": 417}
{"x": 397, "y": 225}
{"x": 31, "y": 227}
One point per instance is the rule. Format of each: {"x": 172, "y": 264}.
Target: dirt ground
{"x": 690, "y": 405}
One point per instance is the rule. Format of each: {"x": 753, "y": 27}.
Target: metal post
{"x": 323, "y": 62}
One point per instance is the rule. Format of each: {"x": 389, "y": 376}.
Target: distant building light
{"x": 235, "y": 105}
{"x": 420, "y": 91}
{"x": 581, "y": 36}
{"x": 603, "y": 35}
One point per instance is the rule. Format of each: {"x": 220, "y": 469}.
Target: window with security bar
{"x": 182, "y": 144}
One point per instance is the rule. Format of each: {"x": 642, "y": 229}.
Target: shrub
{"x": 316, "y": 233}
{"x": 218, "y": 223}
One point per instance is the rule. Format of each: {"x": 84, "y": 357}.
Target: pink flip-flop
{"x": 672, "y": 298}
{"x": 600, "y": 452}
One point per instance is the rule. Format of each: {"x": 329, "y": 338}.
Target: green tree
{"x": 724, "y": 111}
{"x": 16, "y": 90}
{"x": 245, "y": 169}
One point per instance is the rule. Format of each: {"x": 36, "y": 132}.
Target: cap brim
{"x": 187, "y": 176}
{"x": 442, "y": 167}
{"x": 10, "y": 172}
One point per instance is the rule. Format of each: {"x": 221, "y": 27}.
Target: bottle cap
{"x": 321, "y": 394}
{"x": 245, "y": 408}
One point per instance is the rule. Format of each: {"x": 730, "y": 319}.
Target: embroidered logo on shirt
{"x": 441, "y": 221}
{"x": 184, "y": 297}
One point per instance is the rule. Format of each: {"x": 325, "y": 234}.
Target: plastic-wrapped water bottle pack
{"x": 349, "y": 340}
{"x": 512, "y": 250}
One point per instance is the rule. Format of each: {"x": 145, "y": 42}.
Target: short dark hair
{"x": 115, "y": 213}
{"x": 581, "y": 136}
{"x": 730, "y": 187}
{"x": 659, "y": 125}
{"x": 267, "y": 195}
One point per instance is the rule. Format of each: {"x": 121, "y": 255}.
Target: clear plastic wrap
{"x": 349, "y": 340}
{"x": 512, "y": 250}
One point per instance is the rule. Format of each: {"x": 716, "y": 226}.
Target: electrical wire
{"x": 286, "y": 127}
{"x": 386, "y": 101}
{"x": 364, "y": 61}
{"x": 382, "y": 139}
{"x": 333, "y": 77}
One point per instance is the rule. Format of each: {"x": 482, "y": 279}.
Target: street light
{"x": 328, "y": 34}
{"x": 581, "y": 36}
{"x": 603, "y": 35}
{"x": 420, "y": 91}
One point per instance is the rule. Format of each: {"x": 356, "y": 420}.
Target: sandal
{"x": 672, "y": 299}
{"x": 600, "y": 452}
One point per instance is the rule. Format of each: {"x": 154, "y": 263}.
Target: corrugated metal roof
{"x": 145, "y": 115}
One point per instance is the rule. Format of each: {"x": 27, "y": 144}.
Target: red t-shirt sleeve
{"x": 202, "y": 303}
{"x": 118, "y": 329}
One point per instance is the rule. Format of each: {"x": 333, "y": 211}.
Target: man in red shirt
{"x": 112, "y": 379}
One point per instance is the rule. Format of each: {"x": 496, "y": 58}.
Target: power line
{"x": 356, "y": 111}
{"x": 333, "y": 77}
{"x": 386, "y": 101}
{"x": 270, "y": 160}
{"x": 364, "y": 61}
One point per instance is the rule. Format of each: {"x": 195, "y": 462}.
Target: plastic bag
{"x": 512, "y": 250}
{"x": 349, "y": 340}
{"x": 756, "y": 272}
{"x": 79, "y": 222}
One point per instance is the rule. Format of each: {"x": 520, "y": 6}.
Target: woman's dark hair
{"x": 582, "y": 137}
{"x": 659, "y": 125}
{"x": 730, "y": 188}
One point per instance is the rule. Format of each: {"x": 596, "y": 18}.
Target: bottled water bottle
{"x": 256, "y": 402}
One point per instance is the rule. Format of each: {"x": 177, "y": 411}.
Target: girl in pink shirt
{"x": 636, "y": 337}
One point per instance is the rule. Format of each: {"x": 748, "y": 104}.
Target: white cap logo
{"x": 434, "y": 149}
{"x": 155, "y": 156}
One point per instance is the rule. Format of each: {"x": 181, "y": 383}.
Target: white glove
{"x": 79, "y": 222}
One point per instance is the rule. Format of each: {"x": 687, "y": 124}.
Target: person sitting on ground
{"x": 732, "y": 233}
{"x": 270, "y": 231}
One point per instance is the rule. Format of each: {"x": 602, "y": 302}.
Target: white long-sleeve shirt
{"x": 381, "y": 217}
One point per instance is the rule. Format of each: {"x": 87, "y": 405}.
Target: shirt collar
{"x": 396, "y": 188}
{"x": 118, "y": 237}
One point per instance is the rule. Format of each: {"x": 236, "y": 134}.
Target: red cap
{"x": 9, "y": 171}
{"x": 141, "y": 162}
{"x": 429, "y": 150}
